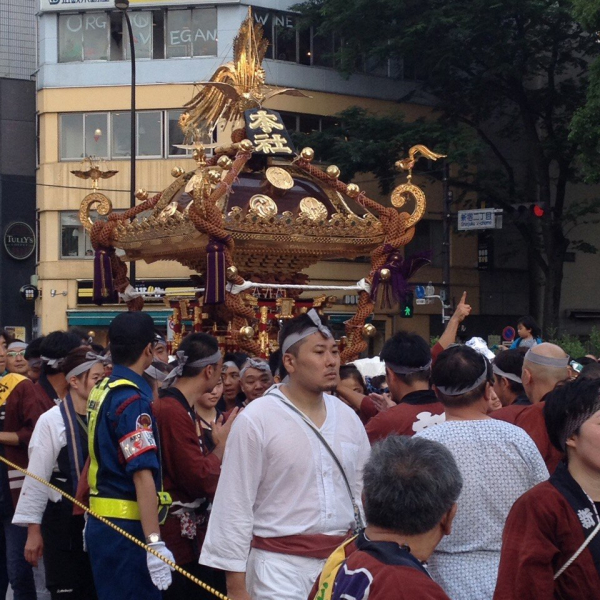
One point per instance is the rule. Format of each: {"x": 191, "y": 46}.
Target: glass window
{"x": 121, "y": 134}
{"x": 179, "y": 34}
{"x": 71, "y": 136}
{"x": 322, "y": 50}
{"x": 141, "y": 25}
{"x": 304, "y": 50}
{"x": 74, "y": 239}
{"x": 204, "y": 29}
{"x": 118, "y": 35}
{"x": 284, "y": 30}
{"x": 309, "y": 123}
{"x": 290, "y": 120}
{"x": 70, "y": 38}
{"x": 175, "y": 134}
{"x": 96, "y": 134}
{"x": 149, "y": 133}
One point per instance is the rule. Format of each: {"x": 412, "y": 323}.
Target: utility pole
{"x": 447, "y": 228}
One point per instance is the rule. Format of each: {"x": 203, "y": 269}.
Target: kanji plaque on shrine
{"x": 265, "y": 129}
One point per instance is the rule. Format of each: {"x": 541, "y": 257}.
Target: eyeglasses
{"x": 15, "y": 354}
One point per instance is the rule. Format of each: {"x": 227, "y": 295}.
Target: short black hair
{"x": 529, "y": 323}
{"x": 57, "y": 345}
{"x": 459, "y": 367}
{"x": 351, "y": 372}
{"x": 34, "y": 348}
{"x": 408, "y": 350}
{"x": 8, "y": 338}
{"x": 585, "y": 360}
{"x": 276, "y": 365}
{"x": 239, "y": 358}
{"x": 590, "y": 371}
{"x": 410, "y": 483}
{"x": 197, "y": 346}
{"x": 82, "y": 333}
{"x": 566, "y": 403}
{"x": 511, "y": 361}
{"x": 129, "y": 334}
{"x": 97, "y": 348}
{"x": 296, "y": 325}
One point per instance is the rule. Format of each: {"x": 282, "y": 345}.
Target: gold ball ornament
{"x": 232, "y": 272}
{"x": 307, "y": 154}
{"x": 369, "y": 330}
{"x": 177, "y": 171}
{"x": 225, "y": 162}
{"x": 333, "y": 171}
{"x": 385, "y": 274}
{"x": 141, "y": 194}
{"x": 246, "y": 146}
{"x": 214, "y": 176}
{"x": 92, "y": 334}
{"x": 352, "y": 190}
{"x": 247, "y": 332}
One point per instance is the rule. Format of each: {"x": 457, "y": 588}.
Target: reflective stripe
{"x": 16, "y": 484}
{"x": 14, "y": 473}
{"x": 115, "y": 509}
{"x": 95, "y": 401}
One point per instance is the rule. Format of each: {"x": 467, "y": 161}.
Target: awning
{"x": 103, "y": 318}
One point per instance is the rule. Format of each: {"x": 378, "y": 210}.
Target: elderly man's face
{"x": 255, "y": 383}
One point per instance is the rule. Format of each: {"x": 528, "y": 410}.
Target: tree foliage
{"x": 507, "y": 78}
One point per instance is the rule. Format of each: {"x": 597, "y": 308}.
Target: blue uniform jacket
{"x": 125, "y": 411}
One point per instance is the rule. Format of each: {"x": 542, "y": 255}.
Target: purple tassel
{"x": 396, "y": 287}
{"x": 215, "y": 273}
{"x": 103, "y": 290}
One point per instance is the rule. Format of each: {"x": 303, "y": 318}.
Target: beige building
{"x": 83, "y": 108}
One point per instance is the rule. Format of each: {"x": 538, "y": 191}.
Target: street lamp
{"x": 123, "y": 5}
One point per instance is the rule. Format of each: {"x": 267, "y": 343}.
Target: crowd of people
{"x": 453, "y": 474}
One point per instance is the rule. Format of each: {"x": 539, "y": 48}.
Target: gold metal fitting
{"x": 369, "y": 330}
{"x": 333, "y": 171}
{"x": 352, "y": 190}
{"x": 307, "y": 154}
{"x": 247, "y": 332}
{"x": 225, "y": 162}
{"x": 385, "y": 274}
{"x": 177, "y": 171}
{"x": 214, "y": 176}
{"x": 141, "y": 194}
{"x": 232, "y": 272}
{"x": 246, "y": 146}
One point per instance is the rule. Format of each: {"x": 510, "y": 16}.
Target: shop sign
{"x": 19, "y": 240}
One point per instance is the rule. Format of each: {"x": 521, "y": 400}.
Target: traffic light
{"x": 534, "y": 209}
{"x": 406, "y": 307}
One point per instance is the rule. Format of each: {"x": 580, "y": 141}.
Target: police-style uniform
{"x": 122, "y": 441}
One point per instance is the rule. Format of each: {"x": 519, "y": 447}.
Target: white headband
{"x": 255, "y": 363}
{"x": 448, "y": 391}
{"x": 401, "y": 370}
{"x": 182, "y": 361}
{"x": 294, "y": 338}
{"x": 55, "y": 363}
{"x": 155, "y": 373}
{"x": 546, "y": 361}
{"x": 506, "y": 375}
{"x": 16, "y": 345}
{"x": 92, "y": 359}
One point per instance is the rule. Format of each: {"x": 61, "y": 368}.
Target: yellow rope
{"x": 118, "y": 529}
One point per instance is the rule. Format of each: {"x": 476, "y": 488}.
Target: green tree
{"x": 507, "y": 76}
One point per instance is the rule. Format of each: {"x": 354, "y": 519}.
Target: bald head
{"x": 541, "y": 376}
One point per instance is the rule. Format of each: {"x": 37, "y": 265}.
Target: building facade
{"x": 83, "y": 110}
{"x": 17, "y": 162}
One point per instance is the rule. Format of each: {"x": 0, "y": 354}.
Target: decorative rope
{"x": 396, "y": 236}
{"x": 118, "y": 529}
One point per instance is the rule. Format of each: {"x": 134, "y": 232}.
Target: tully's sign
{"x": 19, "y": 240}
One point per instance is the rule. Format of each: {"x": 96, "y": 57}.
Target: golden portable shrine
{"x": 251, "y": 217}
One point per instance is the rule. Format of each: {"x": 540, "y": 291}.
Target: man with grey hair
{"x": 410, "y": 490}
{"x": 545, "y": 366}
{"x": 255, "y": 379}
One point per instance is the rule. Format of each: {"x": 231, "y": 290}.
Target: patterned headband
{"x": 450, "y": 391}
{"x": 294, "y": 338}
{"x": 182, "y": 361}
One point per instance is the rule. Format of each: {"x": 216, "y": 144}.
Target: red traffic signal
{"x": 538, "y": 210}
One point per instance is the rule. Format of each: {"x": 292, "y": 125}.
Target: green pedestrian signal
{"x": 406, "y": 308}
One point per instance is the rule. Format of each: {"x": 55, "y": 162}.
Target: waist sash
{"x": 312, "y": 545}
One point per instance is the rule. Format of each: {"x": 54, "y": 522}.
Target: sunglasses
{"x": 15, "y": 354}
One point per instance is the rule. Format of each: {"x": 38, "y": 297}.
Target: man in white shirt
{"x": 282, "y": 504}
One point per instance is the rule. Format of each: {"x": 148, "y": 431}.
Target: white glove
{"x": 160, "y": 572}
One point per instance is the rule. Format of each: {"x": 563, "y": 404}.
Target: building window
{"x": 302, "y": 123}
{"x": 191, "y": 32}
{"x": 429, "y": 236}
{"x": 108, "y": 135}
{"x": 83, "y": 37}
{"x": 74, "y": 239}
{"x": 104, "y": 36}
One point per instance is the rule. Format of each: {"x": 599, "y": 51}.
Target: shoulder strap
{"x": 358, "y": 521}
